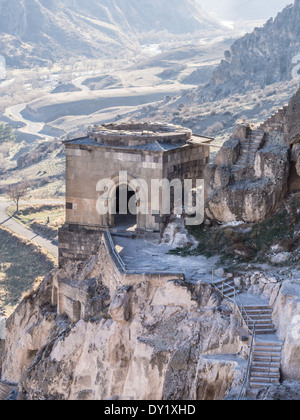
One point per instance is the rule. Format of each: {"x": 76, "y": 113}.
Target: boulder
{"x": 220, "y": 272}
{"x": 176, "y": 235}
{"x": 280, "y": 258}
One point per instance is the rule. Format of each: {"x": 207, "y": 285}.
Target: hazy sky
{"x": 244, "y": 9}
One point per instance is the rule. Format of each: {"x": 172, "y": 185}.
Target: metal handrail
{"x": 113, "y": 248}
{"x": 246, "y": 322}
{"x": 123, "y": 265}
{"x": 248, "y": 371}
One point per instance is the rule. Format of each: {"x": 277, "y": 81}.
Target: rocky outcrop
{"x": 216, "y": 375}
{"x": 176, "y": 235}
{"x": 287, "y": 321}
{"x": 292, "y": 122}
{"x": 146, "y": 342}
{"x": 26, "y": 331}
{"x": 287, "y": 391}
{"x": 248, "y": 179}
{"x": 262, "y": 57}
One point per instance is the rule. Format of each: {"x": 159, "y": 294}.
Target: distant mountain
{"x": 37, "y": 31}
{"x": 267, "y": 55}
{"x": 175, "y": 16}
{"x": 244, "y": 9}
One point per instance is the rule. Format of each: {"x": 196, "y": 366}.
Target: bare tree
{"x": 16, "y": 192}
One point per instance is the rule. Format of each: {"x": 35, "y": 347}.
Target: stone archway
{"x": 125, "y": 199}
{"x": 133, "y": 206}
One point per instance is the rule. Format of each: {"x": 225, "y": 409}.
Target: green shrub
{"x": 6, "y": 133}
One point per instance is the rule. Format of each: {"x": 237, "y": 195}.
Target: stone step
{"x": 256, "y": 307}
{"x": 230, "y": 295}
{"x": 225, "y": 288}
{"x": 258, "y": 385}
{"x": 265, "y": 332}
{"x": 259, "y": 310}
{"x": 267, "y": 364}
{"x": 268, "y": 348}
{"x": 226, "y": 284}
{"x": 260, "y": 321}
{"x": 265, "y": 313}
{"x": 266, "y": 359}
{"x": 264, "y": 380}
{"x": 265, "y": 369}
{"x": 261, "y": 317}
{"x": 225, "y": 281}
{"x": 267, "y": 353}
{"x": 266, "y": 318}
{"x": 261, "y": 325}
{"x": 269, "y": 344}
{"x": 265, "y": 376}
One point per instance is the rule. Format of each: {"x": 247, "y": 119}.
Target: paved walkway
{"x": 23, "y": 231}
{"x": 140, "y": 255}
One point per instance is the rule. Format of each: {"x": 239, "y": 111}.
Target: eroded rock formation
{"x": 256, "y": 168}
{"x": 149, "y": 340}
{"x": 248, "y": 179}
{"x": 287, "y": 319}
{"x": 265, "y": 56}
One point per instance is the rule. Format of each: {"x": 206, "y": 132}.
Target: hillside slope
{"x": 36, "y": 31}
{"x": 265, "y": 56}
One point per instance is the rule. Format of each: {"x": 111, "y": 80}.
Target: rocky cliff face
{"x": 256, "y": 169}
{"x": 153, "y": 340}
{"x": 248, "y": 179}
{"x": 263, "y": 57}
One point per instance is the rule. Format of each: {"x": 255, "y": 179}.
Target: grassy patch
{"x": 44, "y": 220}
{"x": 245, "y": 243}
{"x": 21, "y": 265}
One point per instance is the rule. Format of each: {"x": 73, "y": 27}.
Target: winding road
{"x": 21, "y": 230}
{"x": 30, "y": 127}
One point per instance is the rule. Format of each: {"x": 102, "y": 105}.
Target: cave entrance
{"x": 126, "y": 209}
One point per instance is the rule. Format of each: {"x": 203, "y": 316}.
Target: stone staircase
{"x": 249, "y": 148}
{"x": 267, "y": 351}
{"x": 5, "y": 390}
{"x": 227, "y": 287}
{"x": 262, "y": 316}
{"x": 266, "y": 360}
{"x": 265, "y": 368}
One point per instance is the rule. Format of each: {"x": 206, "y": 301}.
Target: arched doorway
{"x": 125, "y": 218}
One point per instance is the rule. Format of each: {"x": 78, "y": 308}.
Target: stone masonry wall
{"x": 85, "y": 168}
{"x": 77, "y": 244}
{"x": 186, "y": 163}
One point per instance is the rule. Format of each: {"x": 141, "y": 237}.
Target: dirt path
{"x": 21, "y": 230}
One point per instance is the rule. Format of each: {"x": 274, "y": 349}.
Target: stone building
{"x": 124, "y": 158}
